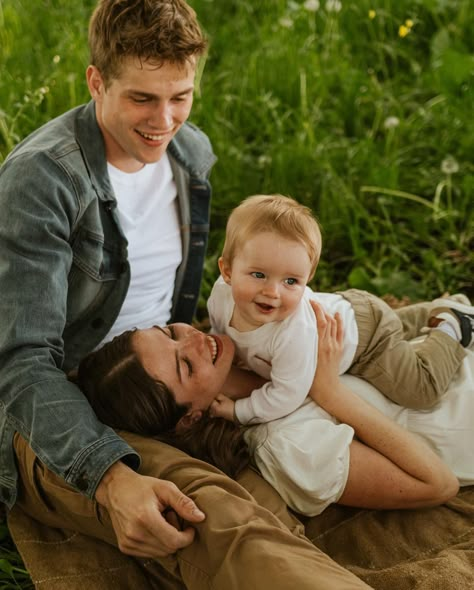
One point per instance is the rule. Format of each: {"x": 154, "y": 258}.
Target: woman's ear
{"x": 226, "y": 270}
{"x": 190, "y": 418}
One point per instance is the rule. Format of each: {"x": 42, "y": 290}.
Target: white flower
{"x": 311, "y": 5}
{"x": 264, "y": 160}
{"x": 333, "y": 5}
{"x": 449, "y": 165}
{"x": 56, "y": 59}
{"x": 391, "y": 122}
{"x": 286, "y": 22}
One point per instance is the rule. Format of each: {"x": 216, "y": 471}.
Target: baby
{"x": 271, "y": 251}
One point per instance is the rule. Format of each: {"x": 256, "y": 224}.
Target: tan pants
{"x": 248, "y": 540}
{"x": 412, "y": 375}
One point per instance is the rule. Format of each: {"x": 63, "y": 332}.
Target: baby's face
{"x": 268, "y": 278}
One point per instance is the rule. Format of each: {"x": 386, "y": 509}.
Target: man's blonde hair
{"x": 153, "y": 31}
{"x": 276, "y": 214}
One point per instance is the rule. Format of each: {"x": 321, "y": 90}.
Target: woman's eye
{"x": 258, "y": 275}
{"x": 172, "y": 332}
{"x": 291, "y": 281}
{"x": 190, "y": 367}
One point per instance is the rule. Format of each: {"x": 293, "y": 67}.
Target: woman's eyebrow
{"x": 178, "y": 366}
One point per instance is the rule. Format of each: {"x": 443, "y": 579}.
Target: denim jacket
{"x": 64, "y": 274}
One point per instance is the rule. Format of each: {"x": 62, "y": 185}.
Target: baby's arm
{"x": 293, "y": 361}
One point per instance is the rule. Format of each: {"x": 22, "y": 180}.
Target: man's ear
{"x": 226, "y": 270}
{"x": 190, "y": 418}
{"x": 95, "y": 82}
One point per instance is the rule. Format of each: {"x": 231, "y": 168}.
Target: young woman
{"x": 162, "y": 381}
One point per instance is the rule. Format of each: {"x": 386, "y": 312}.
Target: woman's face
{"x": 193, "y": 365}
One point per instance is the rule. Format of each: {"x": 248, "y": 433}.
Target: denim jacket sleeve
{"x": 39, "y": 204}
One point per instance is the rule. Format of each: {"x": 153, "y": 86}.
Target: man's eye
{"x": 291, "y": 281}
{"x": 258, "y": 275}
{"x": 172, "y": 332}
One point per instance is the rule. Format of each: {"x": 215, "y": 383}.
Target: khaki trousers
{"x": 247, "y": 542}
{"x": 413, "y": 375}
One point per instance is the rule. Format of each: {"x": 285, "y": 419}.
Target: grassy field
{"x": 362, "y": 110}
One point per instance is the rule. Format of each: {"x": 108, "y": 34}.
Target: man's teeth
{"x": 213, "y": 344}
{"x": 152, "y": 137}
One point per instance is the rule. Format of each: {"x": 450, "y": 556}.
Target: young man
{"x": 104, "y": 214}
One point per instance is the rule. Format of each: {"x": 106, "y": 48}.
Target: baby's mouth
{"x": 265, "y": 306}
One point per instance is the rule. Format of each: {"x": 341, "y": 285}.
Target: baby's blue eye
{"x": 258, "y": 275}
{"x": 291, "y": 281}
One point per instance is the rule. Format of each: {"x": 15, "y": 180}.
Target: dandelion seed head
{"x": 449, "y": 165}
{"x": 311, "y": 5}
{"x": 333, "y": 5}
{"x": 391, "y": 122}
{"x": 286, "y": 22}
{"x": 264, "y": 160}
{"x": 56, "y": 59}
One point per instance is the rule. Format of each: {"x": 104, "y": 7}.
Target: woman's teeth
{"x": 213, "y": 347}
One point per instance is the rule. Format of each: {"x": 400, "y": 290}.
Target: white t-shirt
{"x": 305, "y": 455}
{"x": 284, "y": 352}
{"x": 149, "y": 216}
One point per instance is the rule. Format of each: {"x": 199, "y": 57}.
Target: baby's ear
{"x": 226, "y": 270}
{"x": 190, "y": 418}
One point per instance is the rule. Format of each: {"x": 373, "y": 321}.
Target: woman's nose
{"x": 194, "y": 341}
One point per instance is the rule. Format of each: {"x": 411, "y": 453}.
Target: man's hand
{"x": 223, "y": 407}
{"x": 138, "y": 505}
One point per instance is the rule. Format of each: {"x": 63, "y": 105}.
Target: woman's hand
{"x": 330, "y": 348}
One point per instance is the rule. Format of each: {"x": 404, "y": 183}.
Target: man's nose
{"x": 162, "y": 118}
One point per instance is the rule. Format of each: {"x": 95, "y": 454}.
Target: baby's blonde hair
{"x": 276, "y": 214}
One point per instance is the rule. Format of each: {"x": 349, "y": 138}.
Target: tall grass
{"x": 364, "y": 113}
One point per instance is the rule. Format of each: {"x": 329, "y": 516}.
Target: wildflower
{"x": 391, "y": 122}
{"x": 286, "y": 22}
{"x": 409, "y": 23}
{"x": 264, "y": 160}
{"x": 403, "y": 31}
{"x": 449, "y": 165}
{"x": 56, "y": 59}
{"x": 311, "y": 5}
{"x": 372, "y": 14}
{"x": 333, "y": 5}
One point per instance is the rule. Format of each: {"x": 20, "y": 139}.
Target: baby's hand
{"x": 223, "y": 407}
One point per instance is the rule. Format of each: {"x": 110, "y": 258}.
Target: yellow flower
{"x": 409, "y": 23}
{"x": 372, "y": 14}
{"x": 403, "y": 31}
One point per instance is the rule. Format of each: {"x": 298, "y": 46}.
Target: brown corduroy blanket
{"x": 428, "y": 549}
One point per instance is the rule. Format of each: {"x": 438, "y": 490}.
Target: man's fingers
{"x": 183, "y": 506}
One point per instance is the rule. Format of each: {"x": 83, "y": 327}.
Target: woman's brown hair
{"x": 125, "y": 397}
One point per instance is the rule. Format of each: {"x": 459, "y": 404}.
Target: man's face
{"x": 140, "y": 111}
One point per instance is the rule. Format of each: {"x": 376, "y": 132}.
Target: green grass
{"x": 373, "y": 130}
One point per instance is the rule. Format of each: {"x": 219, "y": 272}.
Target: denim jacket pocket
{"x": 94, "y": 262}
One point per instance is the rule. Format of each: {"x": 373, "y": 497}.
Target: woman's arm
{"x": 389, "y": 467}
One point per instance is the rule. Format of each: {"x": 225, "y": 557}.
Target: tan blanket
{"x": 430, "y": 549}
